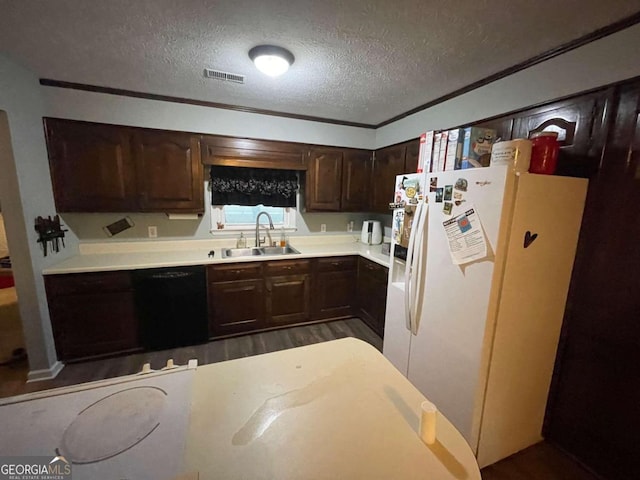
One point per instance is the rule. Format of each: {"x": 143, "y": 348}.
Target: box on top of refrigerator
{"x": 454, "y": 149}
{"x": 476, "y": 148}
{"x": 426, "y": 151}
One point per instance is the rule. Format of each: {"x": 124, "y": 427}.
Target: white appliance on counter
{"x": 371, "y": 232}
{"x": 479, "y": 339}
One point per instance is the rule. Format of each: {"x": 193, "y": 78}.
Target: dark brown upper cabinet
{"x": 247, "y": 152}
{"x": 110, "y": 168}
{"x": 92, "y": 169}
{"x": 411, "y": 155}
{"x": 324, "y": 179}
{"x": 357, "y": 167}
{"x": 338, "y": 179}
{"x": 389, "y": 162}
{"x": 580, "y": 128}
{"x": 171, "y": 172}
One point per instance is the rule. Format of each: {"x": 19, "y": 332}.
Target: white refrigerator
{"x": 477, "y": 334}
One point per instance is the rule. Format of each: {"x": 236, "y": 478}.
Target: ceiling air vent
{"x": 224, "y": 76}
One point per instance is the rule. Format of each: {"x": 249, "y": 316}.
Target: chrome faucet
{"x": 258, "y": 241}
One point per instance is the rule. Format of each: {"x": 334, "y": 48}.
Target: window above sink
{"x": 241, "y": 217}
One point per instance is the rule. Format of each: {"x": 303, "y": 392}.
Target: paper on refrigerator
{"x": 465, "y": 237}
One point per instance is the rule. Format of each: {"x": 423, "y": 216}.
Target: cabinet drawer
{"x": 332, "y": 264}
{"x": 287, "y": 267}
{"x": 87, "y": 282}
{"x": 373, "y": 269}
{"x": 234, "y": 271}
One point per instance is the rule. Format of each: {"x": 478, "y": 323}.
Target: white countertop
{"x": 333, "y": 410}
{"x": 102, "y": 257}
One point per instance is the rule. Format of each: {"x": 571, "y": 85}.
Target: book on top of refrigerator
{"x": 437, "y": 137}
{"x": 444, "y": 141}
{"x": 426, "y": 152}
{"x": 454, "y": 149}
{"x": 476, "y": 149}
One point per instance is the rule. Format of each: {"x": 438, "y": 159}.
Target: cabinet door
{"x": 169, "y": 171}
{"x": 356, "y": 180}
{"x": 324, "y": 180}
{"x": 92, "y": 324}
{"x": 578, "y": 123}
{"x": 334, "y": 287}
{"x": 412, "y": 154}
{"x": 288, "y": 299}
{"x": 91, "y": 167}
{"x": 236, "y": 306}
{"x": 372, "y": 294}
{"x": 388, "y": 163}
{"x": 92, "y": 314}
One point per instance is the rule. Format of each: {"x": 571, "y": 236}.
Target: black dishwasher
{"x": 172, "y": 306}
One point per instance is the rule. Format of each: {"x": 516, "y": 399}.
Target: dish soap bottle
{"x": 242, "y": 242}
{"x": 283, "y": 238}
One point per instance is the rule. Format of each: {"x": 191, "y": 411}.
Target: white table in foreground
{"x": 327, "y": 411}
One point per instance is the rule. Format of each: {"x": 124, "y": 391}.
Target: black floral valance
{"x": 253, "y": 186}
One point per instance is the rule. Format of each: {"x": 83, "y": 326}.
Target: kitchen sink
{"x": 288, "y": 250}
{"x": 256, "y": 251}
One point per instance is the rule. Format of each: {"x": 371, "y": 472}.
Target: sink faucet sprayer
{"x": 258, "y": 241}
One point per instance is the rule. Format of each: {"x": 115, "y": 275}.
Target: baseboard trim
{"x": 45, "y": 373}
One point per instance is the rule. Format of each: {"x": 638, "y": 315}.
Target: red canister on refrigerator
{"x": 544, "y": 152}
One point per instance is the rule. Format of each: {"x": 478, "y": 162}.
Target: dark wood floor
{"x": 540, "y": 462}
{"x": 12, "y": 381}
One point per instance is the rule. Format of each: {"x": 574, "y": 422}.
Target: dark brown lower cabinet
{"x": 288, "y": 289}
{"x": 334, "y": 287}
{"x": 236, "y": 298}
{"x": 372, "y": 293}
{"x": 92, "y": 314}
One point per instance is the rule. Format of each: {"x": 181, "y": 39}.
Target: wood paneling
{"x": 594, "y": 407}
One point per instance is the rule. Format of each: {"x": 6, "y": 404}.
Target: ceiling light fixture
{"x": 271, "y": 60}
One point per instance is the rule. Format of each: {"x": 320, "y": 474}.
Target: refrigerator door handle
{"x": 416, "y": 276}
{"x": 408, "y": 268}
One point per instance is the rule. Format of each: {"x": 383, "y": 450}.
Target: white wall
{"x": 103, "y": 108}
{"x": 25, "y": 193}
{"x": 608, "y": 60}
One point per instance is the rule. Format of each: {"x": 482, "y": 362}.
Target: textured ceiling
{"x": 358, "y": 61}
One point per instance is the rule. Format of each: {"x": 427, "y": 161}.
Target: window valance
{"x": 253, "y": 186}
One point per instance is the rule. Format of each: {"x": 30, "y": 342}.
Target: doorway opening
{"x": 13, "y": 357}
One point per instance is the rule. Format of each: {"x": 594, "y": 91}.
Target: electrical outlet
{"x": 350, "y": 226}
{"x": 323, "y": 227}
{"x": 153, "y": 231}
